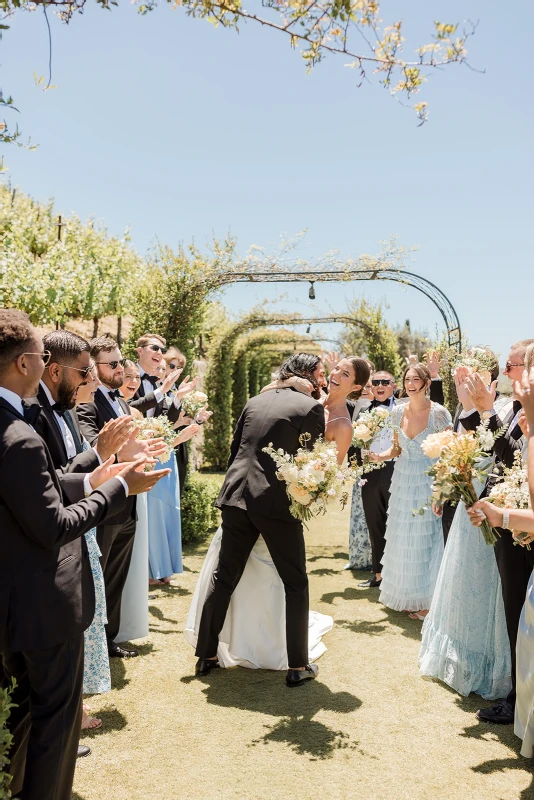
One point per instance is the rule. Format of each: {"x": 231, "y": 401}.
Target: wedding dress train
{"x": 254, "y": 633}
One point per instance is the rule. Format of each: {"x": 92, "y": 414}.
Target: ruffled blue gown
{"x": 465, "y": 641}
{"x": 414, "y": 542}
{"x": 164, "y": 524}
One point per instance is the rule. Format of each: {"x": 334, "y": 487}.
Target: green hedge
{"x": 5, "y": 741}
{"x": 199, "y": 515}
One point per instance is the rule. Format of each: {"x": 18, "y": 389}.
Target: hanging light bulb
{"x": 308, "y": 329}
{"x": 311, "y": 293}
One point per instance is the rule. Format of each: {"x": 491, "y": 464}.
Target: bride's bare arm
{"x": 340, "y": 432}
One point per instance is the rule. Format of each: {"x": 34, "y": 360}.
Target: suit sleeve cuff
{"x": 87, "y": 488}
{"x": 97, "y": 454}
{"x": 158, "y": 394}
{"x": 124, "y": 484}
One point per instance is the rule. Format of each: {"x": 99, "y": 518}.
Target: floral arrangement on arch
{"x": 460, "y": 461}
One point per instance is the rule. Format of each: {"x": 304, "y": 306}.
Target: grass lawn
{"x": 369, "y": 727}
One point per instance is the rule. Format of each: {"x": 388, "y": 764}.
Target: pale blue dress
{"x": 164, "y": 524}
{"x": 414, "y": 542}
{"x": 465, "y": 641}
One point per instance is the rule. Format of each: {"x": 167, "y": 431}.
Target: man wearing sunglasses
{"x": 375, "y": 491}
{"x": 150, "y": 399}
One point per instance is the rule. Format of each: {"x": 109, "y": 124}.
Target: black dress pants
{"x": 515, "y": 565}
{"x": 375, "y": 500}
{"x": 46, "y": 721}
{"x": 447, "y": 519}
{"x": 116, "y": 545}
{"x": 285, "y": 541}
{"x": 182, "y": 460}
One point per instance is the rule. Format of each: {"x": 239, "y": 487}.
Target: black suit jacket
{"x": 43, "y": 597}
{"x": 143, "y": 402}
{"x": 92, "y": 418}
{"x": 279, "y": 416}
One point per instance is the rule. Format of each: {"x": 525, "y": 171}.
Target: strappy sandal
{"x": 90, "y": 723}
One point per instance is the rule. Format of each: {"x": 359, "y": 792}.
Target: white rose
{"x": 289, "y": 472}
{"x": 300, "y": 495}
{"x": 362, "y": 432}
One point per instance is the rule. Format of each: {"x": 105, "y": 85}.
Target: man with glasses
{"x": 150, "y": 398}
{"x": 515, "y": 563}
{"x": 116, "y": 537}
{"x": 44, "y": 608}
{"x": 375, "y": 491}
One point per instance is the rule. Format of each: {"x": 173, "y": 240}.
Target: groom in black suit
{"x": 253, "y": 502}
{"x": 45, "y": 604}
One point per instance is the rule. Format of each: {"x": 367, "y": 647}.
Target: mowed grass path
{"x": 369, "y": 727}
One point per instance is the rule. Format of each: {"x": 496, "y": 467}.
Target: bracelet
{"x": 506, "y": 519}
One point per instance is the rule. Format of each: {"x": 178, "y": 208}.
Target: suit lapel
{"x": 105, "y": 407}
{"x": 52, "y": 421}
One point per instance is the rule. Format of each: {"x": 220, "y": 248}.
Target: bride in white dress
{"x": 254, "y": 632}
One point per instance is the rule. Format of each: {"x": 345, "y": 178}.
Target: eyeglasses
{"x": 112, "y": 364}
{"x": 45, "y": 355}
{"x": 380, "y": 382}
{"x": 509, "y": 366}
{"x": 156, "y": 347}
{"x": 85, "y": 372}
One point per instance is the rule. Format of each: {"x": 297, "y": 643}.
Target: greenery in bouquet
{"x": 512, "y": 490}
{"x": 477, "y": 359}
{"x": 368, "y": 426}
{"x": 313, "y": 478}
{"x": 155, "y": 427}
{"x": 194, "y": 402}
{"x": 461, "y": 459}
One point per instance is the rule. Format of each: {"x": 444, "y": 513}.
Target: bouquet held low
{"x": 155, "y": 427}
{"x": 194, "y": 402}
{"x": 368, "y": 426}
{"x": 512, "y": 490}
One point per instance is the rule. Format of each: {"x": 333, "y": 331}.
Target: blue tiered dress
{"x": 465, "y": 641}
{"x": 164, "y": 524}
{"x": 414, "y": 542}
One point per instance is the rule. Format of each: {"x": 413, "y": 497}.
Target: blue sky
{"x": 183, "y": 131}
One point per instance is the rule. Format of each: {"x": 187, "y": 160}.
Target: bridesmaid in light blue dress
{"x": 164, "y": 525}
{"x": 465, "y": 641}
{"x": 414, "y": 542}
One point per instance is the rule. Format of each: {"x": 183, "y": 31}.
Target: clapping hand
{"x": 460, "y": 376}
{"x": 170, "y": 380}
{"x": 523, "y": 424}
{"x": 107, "y": 470}
{"x": 203, "y": 416}
{"x": 433, "y": 362}
{"x": 185, "y": 387}
{"x": 113, "y": 436}
{"x": 149, "y": 448}
{"x": 524, "y": 392}
{"x": 182, "y": 421}
{"x": 482, "y": 397}
{"x": 186, "y": 434}
{"x": 139, "y": 481}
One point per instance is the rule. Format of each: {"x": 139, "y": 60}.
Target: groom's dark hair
{"x": 303, "y": 365}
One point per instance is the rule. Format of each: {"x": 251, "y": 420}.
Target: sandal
{"x": 418, "y": 615}
{"x": 90, "y": 723}
{"x": 155, "y": 582}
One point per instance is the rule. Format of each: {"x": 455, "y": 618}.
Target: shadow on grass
{"x": 339, "y": 556}
{"x": 158, "y": 613}
{"x": 174, "y": 591}
{"x": 350, "y": 593}
{"x": 364, "y": 626}
{"x": 264, "y": 692}
{"x": 163, "y": 631}
{"x": 324, "y": 571}
{"x": 76, "y": 796}
{"x": 112, "y": 720}
{"x": 409, "y": 627}
{"x": 118, "y": 673}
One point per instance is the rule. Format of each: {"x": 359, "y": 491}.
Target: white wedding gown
{"x": 254, "y": 632}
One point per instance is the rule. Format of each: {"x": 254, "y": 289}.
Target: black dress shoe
{"x": 205, "y": 665}
{"x": 371, "y": 583}
{"x": 500, "y": 714}
{"x": 117, "y": 651}
{"x": 296, "y": 677}
{"x": 83, "y": 751}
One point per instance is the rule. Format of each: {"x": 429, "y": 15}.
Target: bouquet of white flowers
{"x": 155, "y": 427}
{"x": 460, "y": 459}
{"x": 512, "y": 490}
{"x": 368, "y": 426}
{"x": 477, "y": 359}
{"x": 313, "y": 477}
{"x": 193, "y": 403}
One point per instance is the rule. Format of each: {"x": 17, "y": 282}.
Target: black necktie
{"x": 31, "y": 411}
{"x": 153, "y": 379}
{"x": 516, "y": 407}
{"x": 114, "y": 394}
{"x": 67, "y": 419}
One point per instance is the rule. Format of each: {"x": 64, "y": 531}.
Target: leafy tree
{"x": 373, "y": 337}
{"x": 416, "y": 342}
{"x": 354, "y": 29}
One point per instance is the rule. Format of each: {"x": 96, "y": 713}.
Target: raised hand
{"x": 523, "y": 424}
{"x": 182, "y": 421}
{"x": 433, "y": 362}
{"x": 411, "y": 358}
{"x": 460, "y": 376}
{"x": 171, "y": 379}
{"x": 136, "y": 447}
{"x": 331, "y": 359}
{"x": 203, "y": 416}
{"x": 186, "y": 434}
{"x": 482, "y": 397}
{"x": 524, "y": 392}
{"x": 186, "y": 386}
{"x": 113, "y": 436}
{"x": 139, "y": 481}
{"x": 108, "y": 469}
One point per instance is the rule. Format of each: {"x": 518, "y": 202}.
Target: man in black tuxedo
{"x": 116, "y": 536}
{"x": 45, "y": 601}
{"x": 515, "y": 563}
{"x": 254, "y": 501}
{"x": 150, "y": 399}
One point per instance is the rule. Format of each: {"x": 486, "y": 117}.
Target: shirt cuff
{"x": 438, "y": 379}
{"x": 158, "y": 394}
{"x": 465, "y": 414}
{"x": 87, "y": 488}
{"x": 97, "y": 454}
{"x": 124, "y": 484}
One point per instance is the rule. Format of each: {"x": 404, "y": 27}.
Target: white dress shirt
{"x": 66, "y": 433}
{"x": 385, "y": 439}
{"x": 114, "y": 403}
{"x": 148, "y": 387}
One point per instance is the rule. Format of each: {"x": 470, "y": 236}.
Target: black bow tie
{"x": 382, "y": 402}
{"x": 153, "y": 379}
{"x": 31, "y": 411}
{"x": 114, "y": 394}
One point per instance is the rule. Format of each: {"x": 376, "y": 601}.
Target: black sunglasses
{"x": 112, "y": 364}
{"x": 85, "y": 372}
{"x": 381, "y": 381}
{"x": 156, "y": 347}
